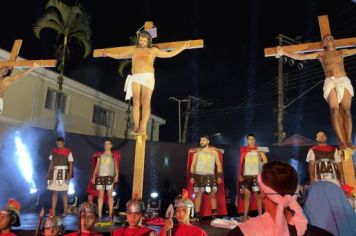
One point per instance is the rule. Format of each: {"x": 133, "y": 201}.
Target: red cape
{"x": 240, "y": 202}
{"x": 186, "y": 230}
{"x": 205, "y": 207}
{"x": 91, "y": 190}
{"x": 138, "y": 231}
{"x": 64, "y": 152}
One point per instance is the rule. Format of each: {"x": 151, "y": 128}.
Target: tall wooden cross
{"x": 24, "y": 63}
{"x": 347, "y": 162}
{"x": 315, "y": 46}
{"x": 199, "y": 43}
{"x": 140, "y": 149}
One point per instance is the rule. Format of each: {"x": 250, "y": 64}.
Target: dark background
{"x": 230, "y": 71}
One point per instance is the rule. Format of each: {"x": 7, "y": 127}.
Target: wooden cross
{"x": 140, "y": 149}
{"x": 24, "y": 63}
{"x": 316, "y": 46}
{"x": 347, "y": 162}
{"x": 199, "y": 43}
{"x": 139, "y": 166}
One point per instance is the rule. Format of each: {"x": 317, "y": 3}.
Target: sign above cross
{"x": 315, "y": 46}
{"x": 199, "y": 43}
{"x": 24, "y": 63}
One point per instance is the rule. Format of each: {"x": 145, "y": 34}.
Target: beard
{"x": 203, "y": 145}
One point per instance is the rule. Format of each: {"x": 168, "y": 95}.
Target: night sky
{"x": 230, "y": 71}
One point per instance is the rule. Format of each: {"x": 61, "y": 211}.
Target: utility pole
{"x": 280, "y": 92}
{"x": 188, "y": 111}
{"x": 186, "y": 120}
{"x": 179, "y": 115}
{"x": 281, "y": 135}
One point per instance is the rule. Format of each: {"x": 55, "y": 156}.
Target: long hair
{"x": 146, "y": 34}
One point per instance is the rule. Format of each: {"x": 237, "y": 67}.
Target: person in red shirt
{"x": 134, "y": 211}
{"x": 183, "y": 209}
{"x": 9, "y": 216}
{"x": 88, "y": 216}
{"x": 60, "y": 171}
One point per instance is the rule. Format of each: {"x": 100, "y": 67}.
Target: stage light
{"x": 71, "y": 189}
{"x": 24, "y": 162}
{"x": 166, "y": 162}
{"x": 114, "y": 193}
{"x": 294, "y": 163}
{"x": 154, "y": 195}
{"x": 291, "y": 62}
{"x": 33, "y": 190}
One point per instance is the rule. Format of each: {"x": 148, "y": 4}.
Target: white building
{"x": 31, "y": 100}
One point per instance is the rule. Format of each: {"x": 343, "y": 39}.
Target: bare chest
{"x": 143, "y": 54}
{"x": 331, "y": 59}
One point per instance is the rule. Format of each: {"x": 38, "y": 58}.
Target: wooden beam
{"x": 324, "y": 26}
{"x": 28, "y": 63}
{"x": 311, "y": 47}
{"x": 199, "y": 43}
{"x": 148, "y": 25}
{"x": 139, "y": 166}
{"x": 15, "y": 49}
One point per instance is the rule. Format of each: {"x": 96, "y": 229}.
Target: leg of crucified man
{"x": 347, "y": 119}
{"x": 146, "y": 94}
{"x": 335, "y": 119}
{"x": 136, "y": 97}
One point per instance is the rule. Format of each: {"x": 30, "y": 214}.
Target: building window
{"x": 102, "y": 116}
{"x": 51, "y": 100}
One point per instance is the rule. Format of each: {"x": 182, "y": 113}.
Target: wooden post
{"x": 139, "y": 166}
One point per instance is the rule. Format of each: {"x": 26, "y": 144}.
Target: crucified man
{"x": 6, "y": 80}
{"x": 337, "y": 89}
{"x": 141, "y": 83}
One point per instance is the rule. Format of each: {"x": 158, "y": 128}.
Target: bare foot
{"x": 141, "y": 132}
{"x": 350, "y": 145}
{"x": 342, "y": 146}
{"x": 134, "y": 131}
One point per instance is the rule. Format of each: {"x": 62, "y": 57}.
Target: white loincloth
{"x": 1, "y": 105}
{"x": 339, "y": 84}
{"x": 144, "y": 79}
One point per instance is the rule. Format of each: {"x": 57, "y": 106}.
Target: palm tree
{"x": 69, "y": 22}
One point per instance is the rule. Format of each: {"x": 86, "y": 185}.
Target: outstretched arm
{"x": 349, "y": 52}
{"x": 124, "y": 54}
{"x": 22, "y": 74}
{"x": 164, "y": 54}
{"x": 297, "y": 56}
